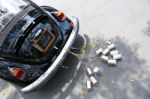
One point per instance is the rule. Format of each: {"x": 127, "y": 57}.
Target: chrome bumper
{"x": 51, "y": 70}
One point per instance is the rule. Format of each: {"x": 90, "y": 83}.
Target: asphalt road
{"x": 127, "y": 24}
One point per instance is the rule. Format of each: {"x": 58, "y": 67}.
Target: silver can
{"x": 89, "y": 85}
{"x": 106, "y": 51}
{"x": 112, "y": 62}
{"x": 113, "y": 52}
{"x": 99, "y": 51}
{"x": 89, "y": 71}
{"x": 96, "y": 70}
{"x": 111, "y": 46}
{"x": 117, "y": 56}
{"x": 104, "y": 58}
{"x": 93, "y": 80}
{"x": 108, "y": 42}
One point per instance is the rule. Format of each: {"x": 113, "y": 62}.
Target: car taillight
{"x": 60, "y": 15}
{"x": 17, "y": 73}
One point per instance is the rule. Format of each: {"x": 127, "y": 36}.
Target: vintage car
{"x": 34, "y": 40}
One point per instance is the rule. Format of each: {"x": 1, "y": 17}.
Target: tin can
{"x": 99, "y": 51}
{"x": 108, "y": 42}
{"x": 104, "y": 58}
{"x": 112, "y": 62}
{"x": 111, "y": 46}
{"x": 113, "y": 52}
{"x": 93, "y": 80}
{"x": 89, "y": 71}
{"x": 117, "y": 56}
{"x": 96, "y": 70}
{"x": 89, "y": 85}
{"x": 106, "y": 51}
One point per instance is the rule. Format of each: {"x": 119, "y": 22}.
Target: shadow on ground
{"x": 128, "y": 80}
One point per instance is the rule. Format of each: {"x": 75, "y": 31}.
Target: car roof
{"x": 8, "y": 9}
{"x": 8, "y": 17}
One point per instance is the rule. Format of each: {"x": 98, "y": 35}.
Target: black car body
{"x": 34, "y": 43}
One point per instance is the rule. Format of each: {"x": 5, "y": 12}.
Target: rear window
{"x": 32, "y": 15}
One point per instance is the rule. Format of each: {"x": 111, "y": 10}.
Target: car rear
{"x": 34, "y": 42}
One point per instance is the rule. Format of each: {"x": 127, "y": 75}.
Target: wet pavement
{"x": 127, "y": 24}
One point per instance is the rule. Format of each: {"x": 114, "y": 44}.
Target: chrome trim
{"x": 50, "y": 71}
